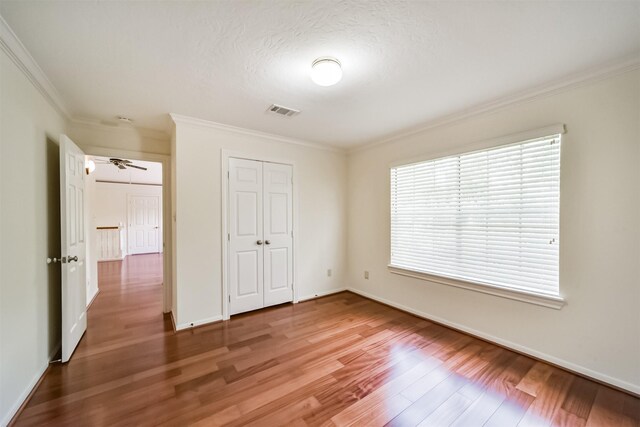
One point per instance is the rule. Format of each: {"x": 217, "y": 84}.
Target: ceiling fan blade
{"x": 120, "y": 166}
{"x": 137, "y": 167}
{"x": 125, "y": 161}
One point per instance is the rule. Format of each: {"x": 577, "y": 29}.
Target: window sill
{"x": 555, "y": 302}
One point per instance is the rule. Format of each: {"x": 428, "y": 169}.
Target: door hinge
{"x": 228, "y": 236}
{"x": 229, "y": 297}
{"x": 228, "y": 176}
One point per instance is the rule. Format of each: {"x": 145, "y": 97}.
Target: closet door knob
{"x": 266, "y": 242}
{"x": 259, "y": 242}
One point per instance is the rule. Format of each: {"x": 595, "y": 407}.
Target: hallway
{"x": 125, "y": 334}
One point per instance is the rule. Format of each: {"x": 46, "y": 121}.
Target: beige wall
{"x": 598, "y": 332}
{"x": 320, "y": 179}
{"x": 122, "y": 138}
{"x": 29, "y": 233}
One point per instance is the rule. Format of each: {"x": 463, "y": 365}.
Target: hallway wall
{"x": 29, "y": 232}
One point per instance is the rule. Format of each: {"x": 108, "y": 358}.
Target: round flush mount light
{"x": 326, "y": 71}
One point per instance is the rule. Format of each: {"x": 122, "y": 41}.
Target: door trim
{"x": 224, "y": 182}
{"x": 167, "y": 291}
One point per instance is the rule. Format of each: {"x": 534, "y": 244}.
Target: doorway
{"x": 125, "y": 218}
{"x": 259, "y": 228}
{"x": 164, "y": 223}
{"x": 84, "y": 241}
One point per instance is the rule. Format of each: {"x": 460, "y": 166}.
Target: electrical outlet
{"x": 366, "y": 275}
{"x": 329, "y": 273}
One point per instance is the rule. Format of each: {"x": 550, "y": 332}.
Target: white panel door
{"x": 245, "y": 236}
{"x": 73, "y": 245}
{"x": 144, "y": 224}
{"x": 278, "y": 227}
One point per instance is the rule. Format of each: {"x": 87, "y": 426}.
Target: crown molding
{"x": 572, "y": 81}
{"x": 179, "y": 119}
{"x": 96, "y": 125}
{"x": 19, "y": 54}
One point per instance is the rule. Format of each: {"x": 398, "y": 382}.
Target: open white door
{"x": 73, "y": 243}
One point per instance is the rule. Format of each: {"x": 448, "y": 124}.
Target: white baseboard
{"x": 111, "y": 259}
{"x": 6, "y": 418}
{"x": 616, "y": 382}
{"x": 23, "y": 396}
{"x": 182, "y": 326}
{"x": 93, "y": 297}
{"x": 321, "y": 294}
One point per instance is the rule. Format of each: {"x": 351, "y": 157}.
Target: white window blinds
{"x": 489, "y": 216}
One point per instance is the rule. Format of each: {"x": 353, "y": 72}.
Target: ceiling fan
{"x": 123, "y": 164}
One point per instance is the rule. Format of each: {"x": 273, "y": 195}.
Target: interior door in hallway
{"x": 144, "y": 224}
{"x": 73, "y": 245}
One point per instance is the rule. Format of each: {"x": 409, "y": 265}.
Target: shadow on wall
{"x": 54, "y": 271}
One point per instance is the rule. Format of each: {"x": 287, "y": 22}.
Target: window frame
{"x": 528, "y": 296}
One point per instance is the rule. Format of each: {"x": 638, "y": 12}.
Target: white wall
{"x": 127, "y": 138}
{"x": 29, "y": 233}
{"x": 598, "y": 332}
{"x": 320, "y": 179}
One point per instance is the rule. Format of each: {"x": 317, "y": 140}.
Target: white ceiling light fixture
{"x": 89, "y": 166}
{"x": 326, "y": 71}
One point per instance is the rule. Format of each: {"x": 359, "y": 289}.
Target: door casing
{"x": 167, "y": 291}
{"x": 224, "y": 168}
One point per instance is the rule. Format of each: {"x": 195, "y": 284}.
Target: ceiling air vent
{"x": 282, "y": 111}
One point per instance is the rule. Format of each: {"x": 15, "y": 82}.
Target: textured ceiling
{"x": 405, "y": 63}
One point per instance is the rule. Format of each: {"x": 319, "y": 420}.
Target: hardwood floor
{"x": 338, "y": 360}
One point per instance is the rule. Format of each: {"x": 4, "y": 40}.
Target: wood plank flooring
{"x": 338, "y": 360}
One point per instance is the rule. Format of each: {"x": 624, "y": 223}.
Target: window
{"x": 488, "y": 217}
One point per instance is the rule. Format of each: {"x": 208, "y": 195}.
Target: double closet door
{"x": 260, "y": 234}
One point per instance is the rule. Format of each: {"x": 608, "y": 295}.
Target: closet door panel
{"x": 278, "y": 228}
{"x": 246, "y": 253}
